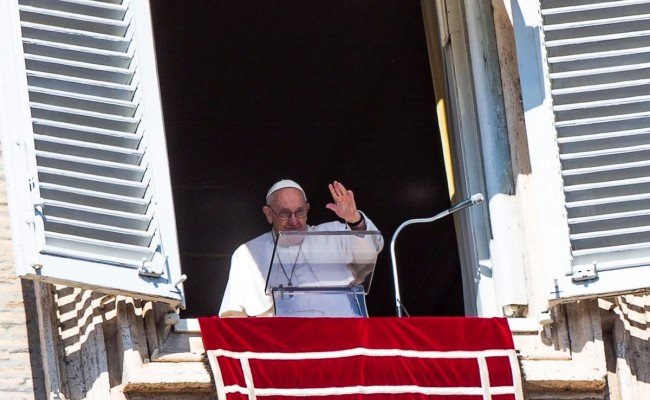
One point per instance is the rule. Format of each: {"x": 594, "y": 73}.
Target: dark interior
{"x": 255, "y": 90}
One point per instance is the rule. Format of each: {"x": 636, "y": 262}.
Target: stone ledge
{"x": 169, "y": 377}
{"x": 557, "y": 375}
{"x": 180, "y": 347}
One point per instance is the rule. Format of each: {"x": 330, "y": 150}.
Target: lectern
{"x": 322, "y": 273}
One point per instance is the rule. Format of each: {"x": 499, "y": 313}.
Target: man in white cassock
{"x": 297, "y": 264}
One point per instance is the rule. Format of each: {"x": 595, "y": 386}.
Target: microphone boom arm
{"x": 475, "y": 199}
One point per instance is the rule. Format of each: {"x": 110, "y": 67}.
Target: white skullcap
{"x": 282, "y": 184}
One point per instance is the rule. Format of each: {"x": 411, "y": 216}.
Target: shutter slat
{"x": 608, "y": 250}
{"x": 607, "y": 205}
{"x": 611, "y": 233}
{"x": 603, "y": 136}
{"x": 81, "y": 117}
{"x": 578, "y": 146}
{"x": 618, "y": 200}
{"x": 97, "y": 216}
{"x": 97, "y": 183}
{"x": 599, "y": 44}
{"x": 595, "y": 175}
{"x": 561, "y": 7}
{"x": 605, "y": 168}
{"x": 556, "y": 76}
{"x": 606, "y": 192}
{"x": 601, "y": 120}
{"x": 613, "y": 111}
{"x": 88, "y": 150}
{"x": 596, "y": 80}
{"x": 45, "y": 16}
{"x": 107, "y": 90}
{"x": 82, "y": 7}
{"x": 606, "y": 184}
{"x": 110, "y": 1}
{"x": 606, "y": 159}
{"x": 642, "y": 214}
{"x": 636, "y": 125}
{"x": 78, "y": 69}
{"x": 89, "y": 230}
{"x": 558, "y": 28}
{"x": 90, "y": 167}
{"x": 612, "y": 221}
{"x": 90, "y": 134}
{"x": 96, "y": 250}
{"x": 582, "y": 89}
{"x": 74, "y": 37}
{"x": 82, "y": 102}
{"x": 594, "y": 56}
{"x": 77, "y": 53}
{"x": 610, "y": 100}
{"x": 105, "y": 201}
{"x": 618, "y": 151}
{"x": 625, "y": 238}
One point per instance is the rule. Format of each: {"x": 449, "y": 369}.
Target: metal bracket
{"x": 154, "y": 268}
{"x": 182, "y": 304}
{"x": 557, "y": 290}
{"x": 30, "y": 218}
{"x": 171, "y": 319}
{"x": 585, "y": 273}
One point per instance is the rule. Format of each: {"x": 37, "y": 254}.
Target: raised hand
{"x": 344, "y": 205}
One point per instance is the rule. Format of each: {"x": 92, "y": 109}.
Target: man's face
{"x": 287, "y": 211}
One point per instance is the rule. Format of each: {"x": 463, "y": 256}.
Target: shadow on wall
{"x": 626, "y": 334}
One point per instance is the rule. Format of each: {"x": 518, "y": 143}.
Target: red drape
{"x": 362, "y": 358}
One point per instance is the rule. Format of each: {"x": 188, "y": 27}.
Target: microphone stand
{"x": 475, "y": 199}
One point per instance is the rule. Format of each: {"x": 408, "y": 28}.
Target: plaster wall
{"x": 20, "y": 366}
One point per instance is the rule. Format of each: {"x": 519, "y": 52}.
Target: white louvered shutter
{"x": 598, "y": 55}
{"x": 95, "y": 156}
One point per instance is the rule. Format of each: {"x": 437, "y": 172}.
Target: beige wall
{"x": 18, "y": 364}
{"x": 595, "y": 349}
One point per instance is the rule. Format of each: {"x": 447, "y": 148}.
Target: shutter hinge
{"x": 154, "y": 268}
{"x": 585, "y": 273}
{"x": 38, "y": 211}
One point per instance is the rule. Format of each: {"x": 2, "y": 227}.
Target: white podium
{"x": 322, "y": 273}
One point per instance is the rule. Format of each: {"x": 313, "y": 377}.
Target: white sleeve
{"x": 244, "y": 293}
{"x": 378, "y": 242}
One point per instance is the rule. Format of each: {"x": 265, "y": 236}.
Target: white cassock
{"x": 319, "y": 261}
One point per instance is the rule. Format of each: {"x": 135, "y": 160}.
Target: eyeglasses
{"x": 286, "y": 215}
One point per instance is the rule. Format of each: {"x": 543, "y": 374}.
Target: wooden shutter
{"x": 103, "y": 215}
{"x": 598, "y": 55}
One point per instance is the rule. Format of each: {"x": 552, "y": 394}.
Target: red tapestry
{"x": 362, "y": 358}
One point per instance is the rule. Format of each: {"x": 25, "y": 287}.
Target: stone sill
{"x": 169, "y": 377}
{"x": 179, "y": 365}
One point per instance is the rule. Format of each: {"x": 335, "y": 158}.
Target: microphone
{"x": 474, "y": 199}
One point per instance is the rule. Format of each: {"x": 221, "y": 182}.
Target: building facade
{"x": 542, "y": 106}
